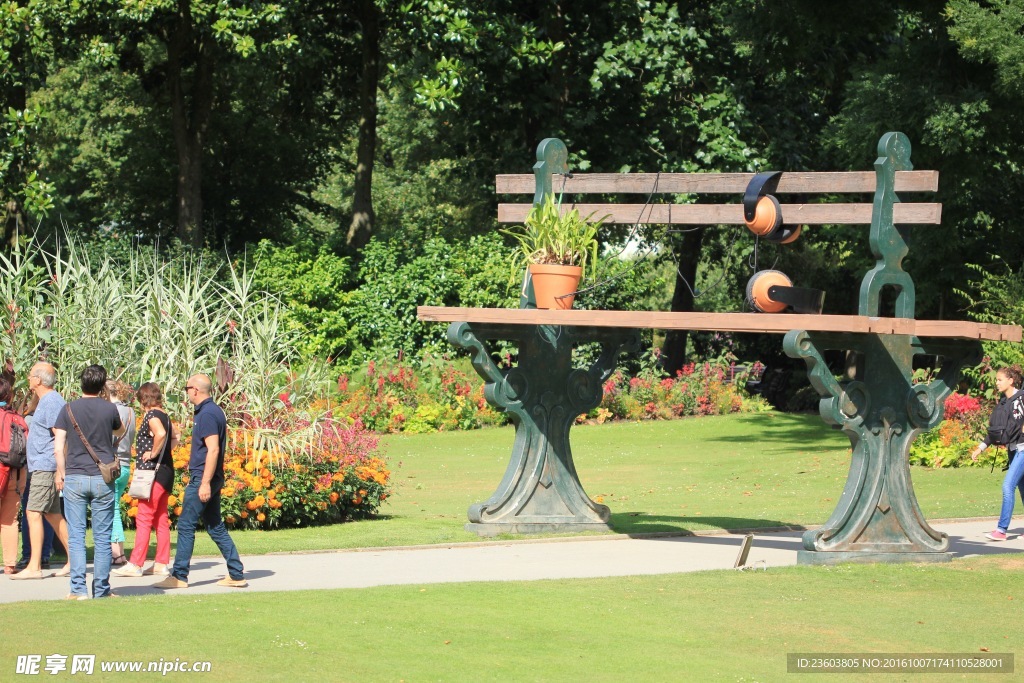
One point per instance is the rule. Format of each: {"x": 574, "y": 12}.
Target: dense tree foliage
{"x": 360, "y": 140}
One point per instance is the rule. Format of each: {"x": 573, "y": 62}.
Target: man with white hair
{"x": 43, "y": 496}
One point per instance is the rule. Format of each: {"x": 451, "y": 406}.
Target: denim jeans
{"x": 26, "y": 544}
{"x": 192, "y": 510}
{"x": 1014, "y": 480}
{"x": 81, "y": 494}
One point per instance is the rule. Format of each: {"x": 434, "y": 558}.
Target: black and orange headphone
{"x": 762, "y": 212}
{"x": 771, "y": 291}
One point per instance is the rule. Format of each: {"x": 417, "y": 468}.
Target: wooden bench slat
{"x": 732, "y": 214}
{"x": 725, "y": 322}
{"x": 735, "y": 183}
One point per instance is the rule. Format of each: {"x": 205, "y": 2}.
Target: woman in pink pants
{"x": 156, "y": 439}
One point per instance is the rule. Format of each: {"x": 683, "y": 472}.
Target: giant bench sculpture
{"x": 877, "y": 517}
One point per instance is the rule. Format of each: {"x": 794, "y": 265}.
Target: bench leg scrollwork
{"x": 541, "y": 491}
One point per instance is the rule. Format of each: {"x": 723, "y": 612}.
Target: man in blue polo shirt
{"x": 202, "y": 495}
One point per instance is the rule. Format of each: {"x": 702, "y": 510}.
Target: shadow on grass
{"x": 781, "y": 427}
{"x": 641, "y": 523}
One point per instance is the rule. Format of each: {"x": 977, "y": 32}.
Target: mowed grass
{"x": 705, "y": 626}
{"x": 688, "y": 475}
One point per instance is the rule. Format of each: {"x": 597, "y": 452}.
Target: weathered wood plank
{"x": 778, "y": 323}
{"x": 732, "y": 214}
{"x": 645, "y": 183}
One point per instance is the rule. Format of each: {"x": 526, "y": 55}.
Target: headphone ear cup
{"x": 767, "y": 216}
{"x": 784, "y": 234}
{"x": 757, "y": 290}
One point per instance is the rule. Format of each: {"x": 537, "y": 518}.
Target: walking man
{"x": 43, "y": 497}
{"x": 202, "y": 495}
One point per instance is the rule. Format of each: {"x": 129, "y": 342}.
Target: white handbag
{"x": 142, "y": 484}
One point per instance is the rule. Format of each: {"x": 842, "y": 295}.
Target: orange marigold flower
{"x": 172, "y": 500}
{"x": 357, "y": 500}
{"x": 334, "y": 497}
{"x": 275, "y": 504}
{"x": 230, "y": 519}
{"x": 249, "y": 467}
{"x": 251, "y": 505}
{"x": 132, "y": 512}
{"x": 264, "y": 473}
{"x": 177, "y": 511}
{"x": 244, "y": 514}
{"x": 261, "y": 517}
{"x": 321, "y": 505}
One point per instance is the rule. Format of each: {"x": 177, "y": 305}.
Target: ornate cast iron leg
{"x": 878, "y": 518}
{"x": 541, "y": 491}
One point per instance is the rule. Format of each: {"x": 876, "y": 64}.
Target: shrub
{"x": 951, "y": 442}
{"x": 697, "y": 389}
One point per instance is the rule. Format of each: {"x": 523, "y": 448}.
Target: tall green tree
{"x": 25, "y": 46}
{"x": 177, "y": 48}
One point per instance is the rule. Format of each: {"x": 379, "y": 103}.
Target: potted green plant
{"x": 558, "y": 249}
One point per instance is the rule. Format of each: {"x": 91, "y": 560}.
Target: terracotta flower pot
{"x": 552, "y": 283}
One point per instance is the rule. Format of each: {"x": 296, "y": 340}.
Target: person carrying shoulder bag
{"x": 84, "y": 447}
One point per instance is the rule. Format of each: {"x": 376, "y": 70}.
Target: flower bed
{"x": 950, "y": 444}
{"x": 343, "y": 477}
{"x": 703, "y": 389}
{"x": 397, "y": 398}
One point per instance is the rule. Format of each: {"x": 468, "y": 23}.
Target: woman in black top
{"x": 156, "y": 439}
{"x": 1004, "y": 429}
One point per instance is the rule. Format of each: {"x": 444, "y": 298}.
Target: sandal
{"x": 119, "y": 560}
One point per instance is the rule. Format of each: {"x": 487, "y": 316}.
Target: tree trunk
{"x": 363, "y": 218}
{"x": 190, "y": 116}
{"x": 673, "y": 353}
{"x": 14, "y": 212}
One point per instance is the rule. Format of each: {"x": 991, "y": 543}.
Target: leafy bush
{"x": 313, "y": 282}
{"x": 697, "y": 389}
{"x": 950, "y": 443}
{"x": 396, "y": 278}
{"x": 397, "y": 397}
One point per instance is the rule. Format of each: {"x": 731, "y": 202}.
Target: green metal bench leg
{"x": 541, "y": 491}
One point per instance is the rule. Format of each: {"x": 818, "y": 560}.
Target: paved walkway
{"x": 527, "y": 560}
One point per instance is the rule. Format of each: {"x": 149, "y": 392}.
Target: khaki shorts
{"x": 42, "y": 494}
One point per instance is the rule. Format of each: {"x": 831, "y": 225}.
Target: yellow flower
{"x": 172, "y": 500}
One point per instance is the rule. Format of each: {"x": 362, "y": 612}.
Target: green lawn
{"x": 705, "y": 626}
{"x": 685, "y": 475}
{"x": 689, "y": 475}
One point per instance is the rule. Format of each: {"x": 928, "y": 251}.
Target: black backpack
{"x": 13, "y": 440}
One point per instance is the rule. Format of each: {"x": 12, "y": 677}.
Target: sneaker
{"x": 996, "y": 535}
{"x": 157, "y": 570}
{"x": 127, "y": 570}
{"x": 171, "y": 582}
{"x": 228, "y": 582}
{"x": 72, "y": 596}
